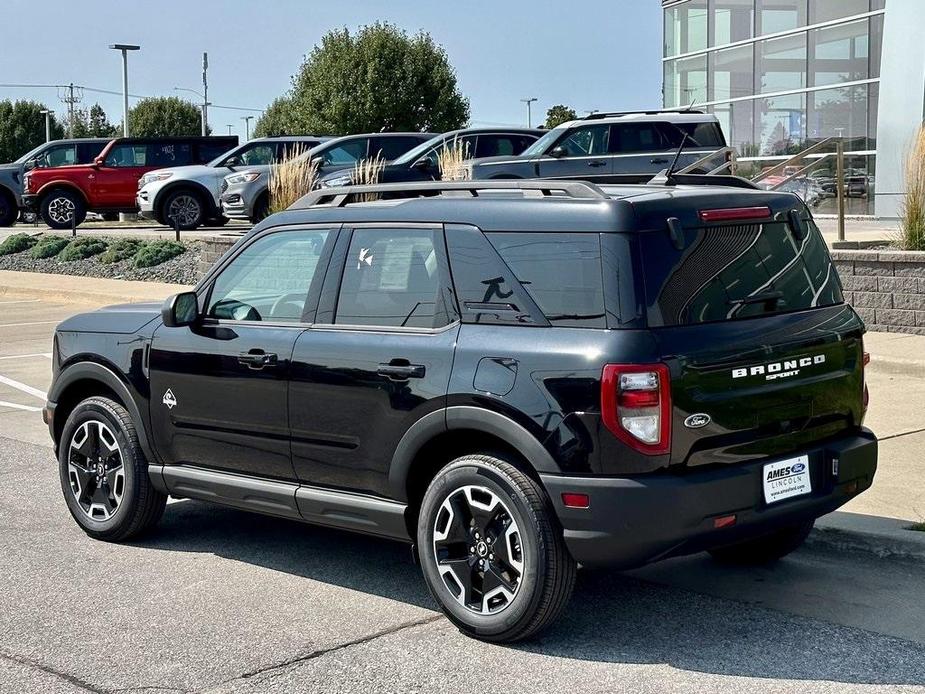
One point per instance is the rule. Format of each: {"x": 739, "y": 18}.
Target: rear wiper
{"x": 763, "y": 298}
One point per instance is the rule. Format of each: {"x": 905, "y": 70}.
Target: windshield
{"x": 31, "y": 153}
{"x": 416, "y": 153}
{"x": 540, "y": 145}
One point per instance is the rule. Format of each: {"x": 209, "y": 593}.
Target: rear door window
{"x": 560, "y": 271}
{"x": 698, "y": 134}
{"x": 733, "y": 272}
{"x": 638, "y": 137}
{"x": 164, "y": 154}
{"x": 346, "y": 154}
{"x": 390, "y": 148}
{"x": 497, "y": 145}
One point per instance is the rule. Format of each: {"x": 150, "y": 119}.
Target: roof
{"x": 685, "y": 116}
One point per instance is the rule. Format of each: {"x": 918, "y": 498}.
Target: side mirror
{"x": 180, "y": 310}
{"x": 422, "y": 164}
{"x": 31, "y": 164}
{"x": 558, "y": 152}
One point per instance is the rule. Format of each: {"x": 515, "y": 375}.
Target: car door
{"x": 219, "y": 389}
{"x": 377, "y": 359}
{"x": 114, "y": 183}
{"x": 583, "y": 152}
{"x": 641, "y": 148}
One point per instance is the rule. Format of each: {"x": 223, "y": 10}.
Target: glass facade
{"x": 782, "y": 75}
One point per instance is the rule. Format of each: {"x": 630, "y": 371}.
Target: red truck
{"x": 63, "y": 195}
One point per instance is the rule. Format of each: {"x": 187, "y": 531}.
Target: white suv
{"x": 188, "y": 196}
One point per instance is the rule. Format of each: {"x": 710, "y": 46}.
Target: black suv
{"x": 516, "y": 377}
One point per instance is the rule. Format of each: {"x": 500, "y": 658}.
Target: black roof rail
{"x": 613, "y": 114}
{"x": 690, "y": 179}
{"x": 338, "y": 197}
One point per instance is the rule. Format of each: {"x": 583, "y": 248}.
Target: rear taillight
{"x": 636, "y": 405}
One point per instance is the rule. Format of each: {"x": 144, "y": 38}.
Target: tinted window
{"x": 348, "y": 153}
{"x": 560, "y": 271}
{"x": 587, "y": 140}
{"x": 733, "y": 272}
{"x": 269, "y": 280}
{"x": 392, "y": 147}
{"x": 127, "y": 156}
{"x": 698, "y": 134}
{"x": 392, "y": 278}
{"x": 638, "y": 137}
{"x": 168, "y": 154}
{"x": 498, "y": 145}
{"x": 211, "y": 150}
{"x": 61, "y": 155}
{"x": 258, "y": 155}
{"x": 88, "y": 151}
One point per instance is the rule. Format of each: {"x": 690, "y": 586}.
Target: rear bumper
{"x": 634, "y": 521}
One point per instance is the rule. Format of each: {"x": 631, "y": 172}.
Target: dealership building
{"x": 782, "y": 75}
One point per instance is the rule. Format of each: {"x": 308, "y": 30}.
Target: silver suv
{"x": 189, "y": 195}
{"x": 245, "y": 194}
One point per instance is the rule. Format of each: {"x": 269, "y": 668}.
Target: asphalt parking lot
{"x": 218, "y": 600}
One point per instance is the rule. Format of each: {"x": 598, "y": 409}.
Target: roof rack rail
{"x": 338, "y": 197}
{"x": 613, "y": 114}
{"x": 690, "y": 179}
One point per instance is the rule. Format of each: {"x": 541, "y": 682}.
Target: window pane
{"x": 639, "y": 137}
{"x": 258, "y": 155}
{"x": 391, "y": 278}
{"x": 561, "y": 273}
{"x": 686, "y": 27}
{"x": 127, "y": 156}
{"x": 782, "y": 63}
{"x": 210, "y": 150}
{"x": 390, "y": 148}
{"x": 859, "y": 185}
{"x": 497, "y": 145}
{"x": 269, "y": 280}
{"x": 733, "y": 73}
{"x": 840, "y": 112}
{"x": 732, "y": 20}
{"x": 60, "y": 156}
{"x": 348, "y": 153}
{"x": 737, "y": 121}
{"x": 876, "y": 44}
{"x": 685, "y": 81}
{"x": 873, "y": 104}
{"x": 840, "y": 53}
{"x": 780, "y": 127}
{"x": 169, "y": 154}
{"x": 587, "y": 141}
{"x": 780, "y": 15}
{"x": 824, "y": 10}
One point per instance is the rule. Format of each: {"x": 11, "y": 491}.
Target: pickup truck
{"x": 63, "y": 195}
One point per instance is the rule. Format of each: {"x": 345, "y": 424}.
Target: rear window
{"x": 560, "y": 271}
{"x": 733, "y": 272}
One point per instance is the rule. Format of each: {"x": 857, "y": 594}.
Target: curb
{"x": 875, "y": 535}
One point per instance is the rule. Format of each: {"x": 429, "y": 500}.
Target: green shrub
{"x": 17, "y": 243}
{"x": 83, "y": 247}
{"x": 158, "y": 252}
{"x": 123, "y": 249}
{"x": 49, "y": 246}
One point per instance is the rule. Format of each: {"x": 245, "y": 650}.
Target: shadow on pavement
{"x": 613, "y": 617}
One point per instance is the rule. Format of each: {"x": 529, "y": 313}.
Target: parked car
{"x": 245, "y": 194}
{"x": 515, "y": 376}
{"x": 611, "y": 147}
{"x": 420, "y": 163}
{"x": 190, "y": 194}
{"x": 46, "y": 155}
{"x": 63, "y": 195}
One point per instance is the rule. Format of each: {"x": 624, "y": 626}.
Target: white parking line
{"x": 17, "y": 406}
{"x": 19, "y": 325}
{"x": 47, "y": 355}
{"x": 23, "y": 387}
{"x": 21, "y": 301}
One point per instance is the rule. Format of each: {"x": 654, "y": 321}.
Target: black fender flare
{"x": 463, "y": 417}
{"x": 211, "y": 209}
{"x": 93, "y": 371}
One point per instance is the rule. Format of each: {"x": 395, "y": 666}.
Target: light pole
{"x": 202, "y": 108}
{"x": 125, "y": 48}
{"x": 47, "y": 124}
{"x": 247, "y": 127}
{"x": 529, "y": 101}
{"x": 205, "y": 94}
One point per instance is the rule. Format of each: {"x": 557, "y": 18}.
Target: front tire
{"x": 61, "y": 208}
{"x": 184, "y": 206}
{"x": 104, "y": 473}
{"x": 765, "y": 549}
{"x": 492, "y": 551}
{"x": 8, "y": 210}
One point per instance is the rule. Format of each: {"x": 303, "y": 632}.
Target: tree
{"x": 93, "y": 122}
{"x": 22, "y": 127}
{"x": 379, "y": 78}
{"x": 276, "y": 120}
{"x": 559, "y": 114}
{"x": 164, "y": 116}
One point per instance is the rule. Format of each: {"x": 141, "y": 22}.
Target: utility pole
{"x": 124, "y": 48}
{"x": 70, "y": 100}
{"x": 529, "y": 101}
{"x": 205, "y": 93}
{"x": 47, "y": 124}
{"x": 247, "y": 127}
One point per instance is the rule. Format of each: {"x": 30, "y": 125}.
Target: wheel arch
{"x": 204, "y": 194}
{"x": 52, "y": 186}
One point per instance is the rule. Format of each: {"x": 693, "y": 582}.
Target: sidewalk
{"x": 863, "y": 232}
{"x": 92, "y": 291}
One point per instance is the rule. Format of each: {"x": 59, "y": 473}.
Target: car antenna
{"x": 665, "y": 177}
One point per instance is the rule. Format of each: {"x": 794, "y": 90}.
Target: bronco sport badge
{"x": 779, "y": 369}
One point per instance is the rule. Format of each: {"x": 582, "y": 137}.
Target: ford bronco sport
{"x": 516, "y": 377}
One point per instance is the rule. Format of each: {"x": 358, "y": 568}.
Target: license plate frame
{"x": 786, "y": 479}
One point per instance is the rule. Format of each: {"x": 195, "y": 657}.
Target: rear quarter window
{"x": 560, "y": 271}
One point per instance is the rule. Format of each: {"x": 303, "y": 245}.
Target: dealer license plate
{"x": 786, "y": 478}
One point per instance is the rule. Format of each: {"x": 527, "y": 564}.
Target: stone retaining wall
{"x": 886, "y": 288}
{"x": 213, "y": 248}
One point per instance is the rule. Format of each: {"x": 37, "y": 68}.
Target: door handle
{"x": 401, "y": 370}
{"x": 658, "y": 161}
{"x": 257, "y": 359}
{"x": 596, "y": 163}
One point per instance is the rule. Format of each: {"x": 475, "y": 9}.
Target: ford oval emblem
{"x": 696, "y": 421}
{"x": 797, "y": 468}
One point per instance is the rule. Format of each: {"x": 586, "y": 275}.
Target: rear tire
{"x": 765, "y": 549}
{"x": 187, "y": 206}
{"x": 8, "y": 210}
{"x": 104, "y": 473}
{"x": 61, "y": 208}
{"x": 492, "y": 551}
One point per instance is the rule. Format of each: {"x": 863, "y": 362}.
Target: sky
{"x": 596, "y": 54}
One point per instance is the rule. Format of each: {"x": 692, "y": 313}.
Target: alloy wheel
{"x": 478, "y": 549}
{"x": 185, "y": 209}
{"x": 95, "y": 470}
{"x": 61, "y": 210}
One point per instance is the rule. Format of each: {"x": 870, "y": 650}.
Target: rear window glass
{"x": 733, "y": 272}
{"x": 560, "y": 271}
